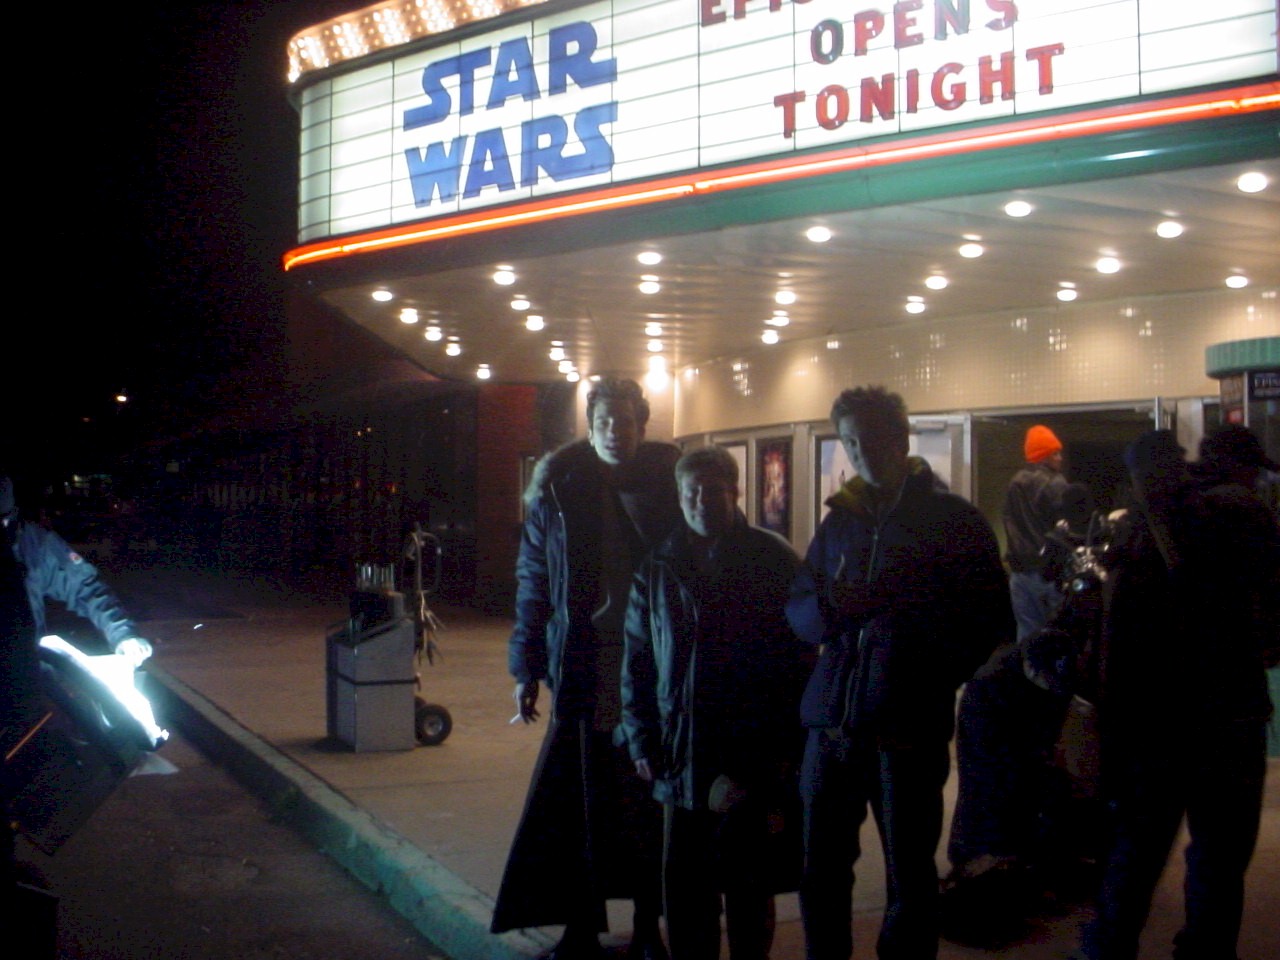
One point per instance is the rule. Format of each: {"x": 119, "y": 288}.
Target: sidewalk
{"x": 240, "y": 668}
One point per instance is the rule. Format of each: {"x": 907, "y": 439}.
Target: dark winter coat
{"x": 557, "y": 571}
{"x": 713, "y": 673}
{"x": 895, "y": 671}
{"x": 1032, "y": 506}
{"x": 53, "y": 570}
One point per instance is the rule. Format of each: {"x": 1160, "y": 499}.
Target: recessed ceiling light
{"x": 556, "y": 353}
{"x": 650, "y": 258}
{"x": 408, "y": 315}
{"x": 1018, "y": 208}
{"x": 936, "y": 282}
{"x": 382, "y": 296}
{"x": 1252, "y": 182}
{"x": 915, "y": 305}
{"x": 1067, "y": 294}
{"x": 784, "y": 297}
{"x": 1168, "y": 229}
{"x": 649, "y": 285}
{"x": 565, "y": 365}
{"x": 504, "y": 276}
{"x": 1108, "y": 265}
{"x": 573, "y": 376}
{"x": 520, "y": 303}
{"x": 653, "y": 329}
{"x": 971, "y": 251}
{"x": 1237, "y": 280}
{"x": 483, "y": 372}
{"x": 769, "y": 336}
{"x": 534, "y": 322}
{"x": 453, "y": 348}
{"x": 655, "y": 346}
{"x": 818, "y": 234}
{"x": 779, "y": 319}
{"x": 433, "y": 333}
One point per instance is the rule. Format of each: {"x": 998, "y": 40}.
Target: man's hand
{"x": 135, "y": 650}
{"x": 725, "y": 794}
{"x": 526, "y": 697}
{"x": 644, "y": 771}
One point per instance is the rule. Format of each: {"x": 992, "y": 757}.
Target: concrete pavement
{"x": 240, "y": 668}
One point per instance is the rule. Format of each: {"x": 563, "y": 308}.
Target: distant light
{"x": 534, "y": 322}
{"x": 382, "y": 296}
{"x": 1067, "y": 294}
{"x": 1018, "y": 208}
{"x": 504, "y": 276}
{"x": 650, "y": 258}
{"x": 818, "y": 234}
{"x": 657, "y": 378}
{"x": 433, "y": 333}
{"x": 408, "y": 315}
{"x": 653, "y": 329}
{"x": 1252, "y": 182}
{"x": 657, "y": 363}
{"x": 1168, "y": 229}
{"x": 1108, "y": 265}
{"x": 453, "y": 348}
{"x": 573, "y": 376}
{"x": 784, "y": 297}
{"x": 483, "y": 372}
{"x": 649, "y": 284}
{"x": 654, "y": 346}
{"x": 779, "y": 319}
{"x": 936, "y": 282}
{"x": 915, "y": 305}
{"x": 556, "y": 353}
{"x": 565, "y": 365}
{"x": 1237, "y": 281}
{"x": 770, "y": 336}
{"x": 520, "y": 303}
{"x": 122, "y": 397}
{"x": 971, "y": 251}
{"x": 833, "y": 344}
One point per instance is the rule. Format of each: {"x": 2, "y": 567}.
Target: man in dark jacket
{"x": 711, "y": 686}
{"x": 589, "y": 831}
{"x": 1032, "y": 507}
{"x": 904, "y": 593}
{"x": 1190, "y": 625}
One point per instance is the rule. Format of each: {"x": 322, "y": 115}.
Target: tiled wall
{"x": 1071, "y": 354}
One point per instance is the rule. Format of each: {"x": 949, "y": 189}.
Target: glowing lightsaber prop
{"x": 116, "y": 674}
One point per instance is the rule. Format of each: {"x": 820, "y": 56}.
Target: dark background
{"x": 161, "y": 159}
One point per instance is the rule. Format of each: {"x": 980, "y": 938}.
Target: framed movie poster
{"x": 834, "y": 470}
{"x": 773, "y": 458}
{"x": 739, "y": 453}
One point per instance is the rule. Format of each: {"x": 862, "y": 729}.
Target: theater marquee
{"x": 609, "y": 92}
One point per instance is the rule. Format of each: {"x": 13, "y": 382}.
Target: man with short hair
{"x": 711, "y": 685}
{"x": 1032, "y": 507}
{"x": 589, "y": 831}
{"x": 903, "y": 593}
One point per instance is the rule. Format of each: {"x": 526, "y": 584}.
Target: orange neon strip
{"x": 1237, "y": 102}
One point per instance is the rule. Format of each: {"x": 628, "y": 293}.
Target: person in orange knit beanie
{"x": 1032, "y": 505}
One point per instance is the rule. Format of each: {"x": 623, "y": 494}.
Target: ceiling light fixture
{"x": 936, "y": 282}
{"x": 1168, "y": 229}
{"x": 784, "y": 297}
{"x": 653, "y": 329}
{"x": 1237, "y": 281}
{"x": 818, "y": 234}
{"x": 520, "y": 303}
{"x": 504, "y": 276}
{"x": 534, "y": 322}
{"x": 483, "y": 372}
{"x": 649, "y": 284}
{"x": 650, "y": 258}
{"x": 1067, "y": 291}
{"x": 1252, "y": 182}
{"x": 408, "y": 315}
{"x": 779, "y": 319}
{"x": 915, "y": 305}
{"x": 433, "y": 333}
{"x": 453, "y": 348}
{"x": 770, "y": 336}
{"x": 382, "y": 296}
{"x": 1018, "y": 208}
{"x": 556, "y": 352}
{"x": 971, "y": 250}
{"x": 655, "y": 346}
{"x": 1108, "y": 264}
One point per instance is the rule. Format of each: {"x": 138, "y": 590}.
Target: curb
{"x": 445, "y": 909}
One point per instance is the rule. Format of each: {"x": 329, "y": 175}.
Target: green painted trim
{"x": 1241, "y": 356}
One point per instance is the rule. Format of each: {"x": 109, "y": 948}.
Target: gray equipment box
{"x": 371, "y": 675}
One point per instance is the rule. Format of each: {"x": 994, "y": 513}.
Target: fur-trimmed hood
{"x": 654, "y": 460}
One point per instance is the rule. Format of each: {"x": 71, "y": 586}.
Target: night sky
{"x": 161, "y": 170}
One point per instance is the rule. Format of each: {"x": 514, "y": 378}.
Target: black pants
{"x": 705, "y": 853}
{"x": 842, "y": 776}
{"x": 1214, "y": 775}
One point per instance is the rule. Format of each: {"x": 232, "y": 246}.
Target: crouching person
{"x": 711, "y": 682}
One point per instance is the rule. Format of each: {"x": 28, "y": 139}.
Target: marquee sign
{"x": 622, "y": 90}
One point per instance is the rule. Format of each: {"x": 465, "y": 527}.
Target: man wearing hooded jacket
{"x": 589, "y": 831}
{"x": 903, "y": 592}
